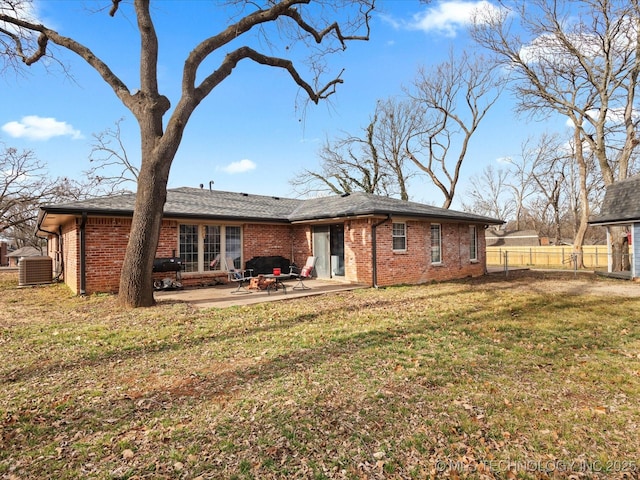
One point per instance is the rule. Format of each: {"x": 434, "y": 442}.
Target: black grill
{"x": 171, "y": 264}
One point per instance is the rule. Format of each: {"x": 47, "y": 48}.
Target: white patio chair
{"x": 303, "y": 273}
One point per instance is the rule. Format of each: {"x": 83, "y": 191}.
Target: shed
{"x": 621, "y": 207}
{"x": 16, "y": 255}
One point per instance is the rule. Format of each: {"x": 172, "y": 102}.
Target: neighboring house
{"x": 15, "y": 256}
{"x": 359, "y": 238}
{"x": 621, "y": 207}
{"x": 513, "y": 238}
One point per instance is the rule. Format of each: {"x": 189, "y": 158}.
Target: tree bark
{"x": 578, "y": 240}
{"x": 136, "y": 281}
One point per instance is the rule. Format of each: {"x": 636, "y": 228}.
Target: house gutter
{"x": 374, "y": 250}
{"x": 83, "y": 251}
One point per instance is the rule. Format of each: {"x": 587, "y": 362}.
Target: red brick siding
{"x": 106, "y": 240}
{"x": 264, "y": 240}
{"x": 414, "y": 265}
{"x": 357, "y": 251}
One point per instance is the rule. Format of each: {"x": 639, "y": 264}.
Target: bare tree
{"x": 454, "y": 97}
{"x": 579, "y": 59}
{"x": 373, "y": 162}
{"x": 24, "y": 185}
{"x": 112, "y": 169}
{"x": 299, "y": 20}
{"x": 489, "y": 194}
{"x": 548, "y": 172}
{"x": 347, "y": 165}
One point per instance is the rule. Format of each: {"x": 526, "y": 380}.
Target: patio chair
{"x": 215, "y": 263}
{"x": 238, "y": 276}
{"x": 303, "y": 273}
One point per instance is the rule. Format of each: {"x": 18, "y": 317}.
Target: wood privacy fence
{"x": 595, "y": 257}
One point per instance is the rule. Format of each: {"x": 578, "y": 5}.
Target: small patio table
{"x": 278, "y": 281}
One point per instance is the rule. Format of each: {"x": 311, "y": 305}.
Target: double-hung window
{"x": 473, "y": 243}
{"x": 399, "y": 236}
{"x": 202, "y": 247}
{"x": 436, "y": 243}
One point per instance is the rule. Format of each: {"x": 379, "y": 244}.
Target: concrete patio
{"x": 222, "y": 296}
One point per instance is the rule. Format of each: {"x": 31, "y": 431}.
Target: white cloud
{"x": 449, "y": 16}
{"x": 33, "y": 127}
{"x": 241, "y": 166}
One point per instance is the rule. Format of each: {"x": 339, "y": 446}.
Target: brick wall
{"x": 357, "y": 251}
{"x": 414, "y": 265}
{"x": 106, "y": 240}
{"x": 265, "y": 240}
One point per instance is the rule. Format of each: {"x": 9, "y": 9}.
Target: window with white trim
{"x": 212, "y": 247}
{"x": 202, "y": 247}
{"x": 188, "y": 247}
{"x": 399, "y": 237}
{"x": 473, "y": 243}
{"x": 436, "y": 243}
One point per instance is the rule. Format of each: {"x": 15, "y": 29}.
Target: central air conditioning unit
{"x": 35, "y": 271}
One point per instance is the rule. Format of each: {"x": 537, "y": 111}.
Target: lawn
{"x": 481, "y": 378}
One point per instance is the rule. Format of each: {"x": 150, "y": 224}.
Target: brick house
{"x": 358, "y": 238}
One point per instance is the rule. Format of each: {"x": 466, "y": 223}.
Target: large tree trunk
{"x": 136, "y": 281}
{"x": 619, "y": 249}
{"x": 578, "y": 240}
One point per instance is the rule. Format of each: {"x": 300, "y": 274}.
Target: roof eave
{"x": 600, "y": 222}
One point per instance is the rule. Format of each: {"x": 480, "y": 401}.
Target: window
{"x": 233, "y": 245}
{"x": 189, "y": 247}
{"x": 201, "y": 247}
{"x": 436, "y": 243}
{"x": 211, "y": 250}
{"x": 473, "y": 243}
{"x": 399, "y": 235}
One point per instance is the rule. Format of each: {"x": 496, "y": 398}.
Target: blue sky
{"x": 248, "y": 134}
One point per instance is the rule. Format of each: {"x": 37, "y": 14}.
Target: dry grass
{"x": 484, "y": 378}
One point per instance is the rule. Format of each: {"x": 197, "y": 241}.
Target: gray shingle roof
{"x": 213, "y": 204}
{"x": 360, "y": 203}
{"x": 191, "y": 203}
{"x": 621, "y": 203}
{"x": 515, "y": 238}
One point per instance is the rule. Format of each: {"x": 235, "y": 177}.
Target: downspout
{"x": 83, "y": 266}
{"x": 374, "y": 251}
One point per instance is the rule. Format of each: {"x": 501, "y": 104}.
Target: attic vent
{"x": 35, "y": 270}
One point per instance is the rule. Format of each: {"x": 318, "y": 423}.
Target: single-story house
{"x": 359, "y": 238}
{"x": 15, "y": 256}
{"x": 621, "y": 207}
{"x": 512, "y": 238}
